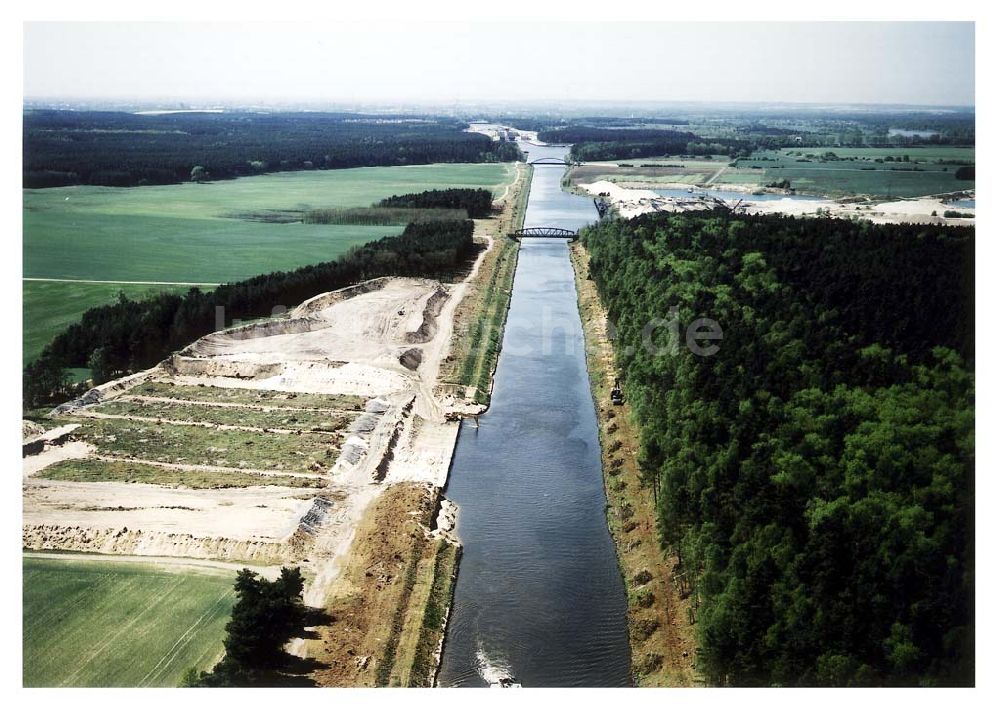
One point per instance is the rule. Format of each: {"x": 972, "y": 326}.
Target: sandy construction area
{"x": 383, "y": 340}
{"x": 249, "y": 403}
{"x": 633, "y": 201}
{"x": 254, "y": 513}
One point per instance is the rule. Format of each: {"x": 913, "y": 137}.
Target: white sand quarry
{"x": 633, "y": 201}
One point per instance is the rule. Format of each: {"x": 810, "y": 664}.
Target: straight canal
{"x": 539, "y": 596}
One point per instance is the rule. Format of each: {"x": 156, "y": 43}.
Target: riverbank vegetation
{"x": 814, "y": 477}
{"x": 127, "y": 149}
{"x": 482, "y": 314}
{"x": 660, "y": 620}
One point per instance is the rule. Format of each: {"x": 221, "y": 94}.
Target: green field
{"x": 917, "y": 154}
{"x": 51, "y": 306}
{"x": 196, "y": 232}
{"x": 94, "y": 623}
{"x": 929, "y": 170}
{"x": 651, "y": 171}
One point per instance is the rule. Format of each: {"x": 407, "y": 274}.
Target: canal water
{"x": 539, "y": 596}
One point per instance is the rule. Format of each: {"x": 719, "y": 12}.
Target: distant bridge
{"x": 546, "y": 232}
{"x": 552, "y": 161}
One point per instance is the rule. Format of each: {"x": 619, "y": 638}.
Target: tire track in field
{"x": 84, "y": 663}
{"x": 182, "y": 641}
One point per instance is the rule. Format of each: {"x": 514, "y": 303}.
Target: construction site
{"x": 321, "y": 439}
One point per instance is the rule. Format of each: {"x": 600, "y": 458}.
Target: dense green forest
{"x": 586, "y": 134}
{"x": 477, "y": 202}
{"x": 131, "y": 335}
{"x": 814, "y": 475}
{"x": 590, "y": 143}
{"x": 125, "y": 149}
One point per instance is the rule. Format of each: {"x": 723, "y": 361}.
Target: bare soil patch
{"x": 378, "y": 606}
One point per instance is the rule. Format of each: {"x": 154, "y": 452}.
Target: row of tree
{"x": 814, "y": 475}
{"x": 123, "y": 149}
{"x": 477, "y": 202}
{"x": 130, "y": 335}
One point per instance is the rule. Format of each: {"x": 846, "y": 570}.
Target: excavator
{"x": 616, "y": 394}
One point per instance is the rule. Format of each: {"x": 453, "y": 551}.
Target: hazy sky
{"x": 914, "y": 63}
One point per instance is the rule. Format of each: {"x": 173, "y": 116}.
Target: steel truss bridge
{"x": 544, "y": 232}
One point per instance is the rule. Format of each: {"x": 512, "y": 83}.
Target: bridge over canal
{"x": 545, "y": 232}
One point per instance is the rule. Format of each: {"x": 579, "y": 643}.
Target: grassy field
{"x": 648, "y": 170}
{"x": 197, "y": 232}
{"x": 917, "y": 154}
{"x": 94, "y": 623}
{"x": 929, "y": 170}
{"x": 51, "y": 306}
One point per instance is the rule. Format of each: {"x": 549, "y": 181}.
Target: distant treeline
{"x": 477, "y": 202}
{"x": 632, "y": 121}
{"x": 590, "y": 134}
{"x": 124, "y": 149}
{"x": 738, "y": 134}
{"x": 591, "y": 143}
{"x": 379, "y": 215}
{"x": 815, "y": 474}
{"x": 131, "y": 335}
